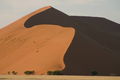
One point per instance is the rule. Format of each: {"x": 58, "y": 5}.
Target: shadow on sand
{"x": 87, "y": 52}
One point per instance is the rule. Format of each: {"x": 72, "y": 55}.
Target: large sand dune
{"x": 48, "y": 39}
{"x": 40, "y": 48}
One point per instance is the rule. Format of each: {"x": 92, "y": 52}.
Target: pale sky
{"x": 11, "y": 10}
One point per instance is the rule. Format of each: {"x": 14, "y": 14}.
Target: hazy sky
{"x": 11, "y": 10}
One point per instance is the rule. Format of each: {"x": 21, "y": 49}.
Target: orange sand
{"x": 40, "y": 48}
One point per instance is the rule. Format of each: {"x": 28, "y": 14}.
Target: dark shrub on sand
{"x": 29, "y": 72}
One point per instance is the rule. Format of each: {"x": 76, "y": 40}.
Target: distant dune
{"x": 48, "y": 39}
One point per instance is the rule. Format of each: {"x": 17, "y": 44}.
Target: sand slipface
{"x": 40, "y": 48}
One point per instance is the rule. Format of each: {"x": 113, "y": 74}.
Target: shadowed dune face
{"x": 38, "y": 43}
{"x": 95, "y": 47}
{"x": 50, "y": 16}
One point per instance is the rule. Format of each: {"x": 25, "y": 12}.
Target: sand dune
{"x": 48, "y": 39}
{"x": 40, "y": 48}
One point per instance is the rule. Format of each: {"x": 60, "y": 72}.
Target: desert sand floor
{"x": 46, "y": 77}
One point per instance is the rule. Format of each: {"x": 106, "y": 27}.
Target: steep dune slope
{"x": 95, "y": 46}
{"x": 106, "y": 32}
{"x": 48, "y": 39}
{"x": 40, "y": 48}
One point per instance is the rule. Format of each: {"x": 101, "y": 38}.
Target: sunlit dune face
{"x": 40, "y": 48}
